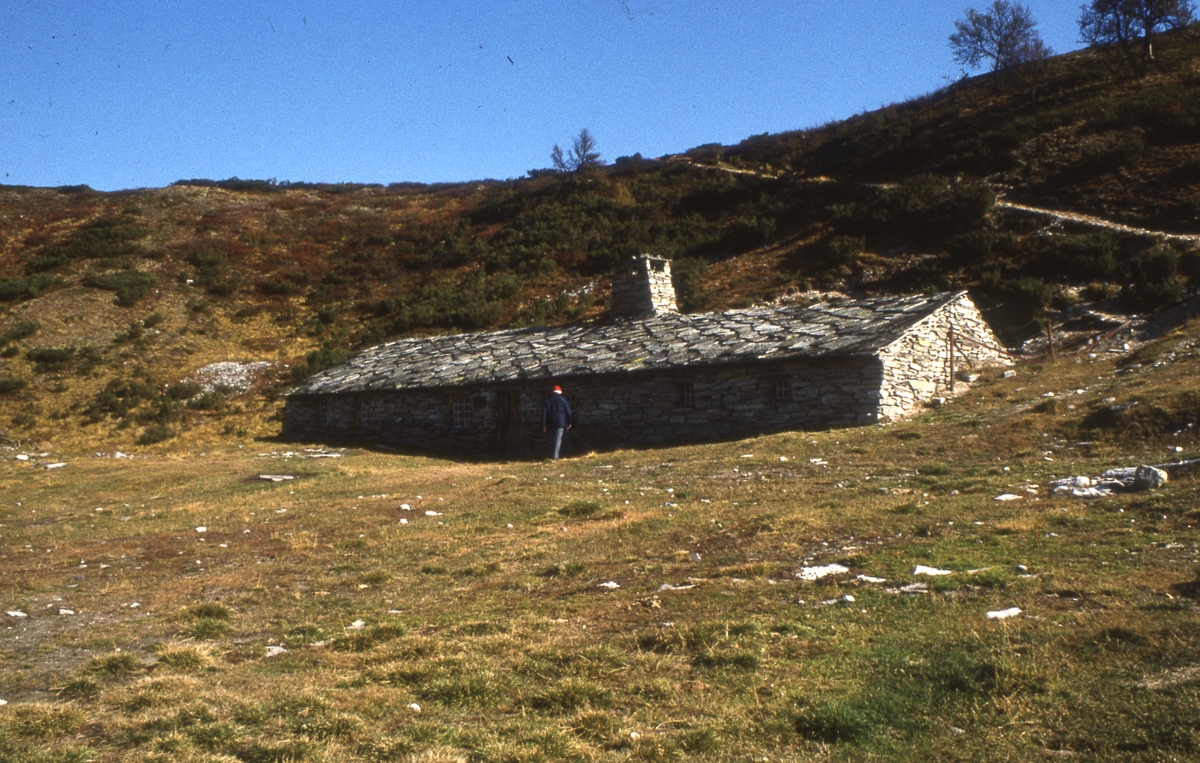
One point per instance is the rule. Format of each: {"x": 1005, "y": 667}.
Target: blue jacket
{"x": 556, "y": 412}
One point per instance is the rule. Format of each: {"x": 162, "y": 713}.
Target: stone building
{"x": 650, "y": 375}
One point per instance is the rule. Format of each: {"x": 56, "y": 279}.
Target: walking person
{"x": 556, "y": 415}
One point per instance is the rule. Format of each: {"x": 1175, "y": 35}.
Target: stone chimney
{"x": 641, "y": 286}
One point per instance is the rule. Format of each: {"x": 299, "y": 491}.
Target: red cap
{"x": 557, "y": 388}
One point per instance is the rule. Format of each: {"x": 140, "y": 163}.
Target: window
{"x": 573, "y": 401}
{"x": 783, "y": 390}
{"x": 462, "y": 410}
{"x": 323, "y": 412}
{"x": 687, "y": 395}
{"x": 370, "y": 411}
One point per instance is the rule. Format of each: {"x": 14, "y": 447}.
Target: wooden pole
{"x": 1050, "y": 338}
{"x": 951, "y": 359}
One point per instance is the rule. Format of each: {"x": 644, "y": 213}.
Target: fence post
{"x": 1050, "y": 338}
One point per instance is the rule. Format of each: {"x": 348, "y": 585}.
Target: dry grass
{"x": 512, "y": 650}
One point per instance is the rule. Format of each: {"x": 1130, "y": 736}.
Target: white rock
{"x": 414, "y": 707}
{"x": 609, "y": 584}
{"x": 276, "y": 650}
{"x": 201, "y": 529}
{"x": 869, "y": 579}
{"x": 403, "y": 521}
{"x": 65, "y": 611}
{"x": 694, "y": 556}
{"x": 15, "y": 613}
{"x": 914, "y": 588}
{"x": 22, "y": 457}
{"x": 134, "y": 605}
{"x": 816, "y": 573}
{"x": 405, "y": 507}
{"x": 55, "y": 466}
{"x": 3, "y": 702}
{"x": 432, "y": 514}
{"x": 357, "y": 625}
{"x": 783, "y": 458}
{"x": 1008, "y": 497}
{"x": 932, "y": 571}
{"x": 1004, "y": 614}
{"x": 1009, "y": 374}
{"x": 847, "y": 598}
{"x": 671, "y": 587}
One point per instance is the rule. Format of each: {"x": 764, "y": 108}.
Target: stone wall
{"x": 642, "y": 286}
{"x": 916, "y": 367}
{"x": 611, "y": 411}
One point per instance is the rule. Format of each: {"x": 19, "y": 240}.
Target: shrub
{"x": 212, "y": 400}
{"x": 184, "y": 390}
{"x": 1156, "y": 282}
{"x": 19, "y": 331}
{"x": 47, "y": 359}
{"x": 1090, "y": 257}
{"x": 843, "y": 251}
{"x": 155, "y": 433}
{"x": 12, "y": 289}
{"x": 130, "y": 285}
{"x": 11, "y": 384}
{"x": 152, "y": 320}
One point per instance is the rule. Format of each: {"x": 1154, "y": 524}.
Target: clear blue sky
{"x": 127, "y": 94}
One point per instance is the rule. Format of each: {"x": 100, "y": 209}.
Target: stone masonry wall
{"x": 916, "y": 367}
{"x": 723, "y": 403}
{"x": 642, "y": 286}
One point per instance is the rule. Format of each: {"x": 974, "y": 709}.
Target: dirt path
{"x": 1096, "y": 222}
{"x": 1075, "y": 217}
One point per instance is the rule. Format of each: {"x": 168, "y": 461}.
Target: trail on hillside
{"x": 1097, "y": 222}
{"x": 1075, "y": 217}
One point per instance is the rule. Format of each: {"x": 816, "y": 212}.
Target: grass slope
{"x": 436, "y": 611}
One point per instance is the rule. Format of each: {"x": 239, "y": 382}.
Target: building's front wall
{"x": 917, "y": 367}
{"x": 611, "y": 411}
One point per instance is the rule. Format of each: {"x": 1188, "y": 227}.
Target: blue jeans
{"x": 558, "y": 438}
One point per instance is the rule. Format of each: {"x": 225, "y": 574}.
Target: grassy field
{"x": 634, "y": 605}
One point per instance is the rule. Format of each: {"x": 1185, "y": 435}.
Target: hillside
{"x": 112, "y": 300}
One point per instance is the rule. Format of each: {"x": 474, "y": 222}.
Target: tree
{"x": 583, "y": 154}
{"x": 1105, "y": 22}
{"x": 1005, "y": 34}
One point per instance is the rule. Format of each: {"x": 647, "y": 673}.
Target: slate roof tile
{"x": 668, "y": 340}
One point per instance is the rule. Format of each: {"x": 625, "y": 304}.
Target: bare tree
{"x": 1104, "y": 22}
{"x": 1005, "y": 35}
{"x": 583, "y": 154}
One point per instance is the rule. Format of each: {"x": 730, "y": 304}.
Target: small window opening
{"x": 783, "y": 390}
{"x": 687, "y": 395}
{"x": 369, "y": 412}
{"x": 463, "y": 411}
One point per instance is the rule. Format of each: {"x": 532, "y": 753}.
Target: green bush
{"x": 48, "y": 359}
{"x": 19, "y": 331}
{"x": 1155, "y": 281}
{"x": 184, "y": 390}
{"x": 130, "y": 285}
{"x": 11, "y": 384}
{"x": 1090, "y": 257}
{"x": 13, "y": 289}
{"x": 843, "y": 251}
{"x": 212, "y": 400}
{"x": 155, "y": 433}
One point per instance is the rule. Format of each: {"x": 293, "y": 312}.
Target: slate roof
{"x": 664, "y": 341}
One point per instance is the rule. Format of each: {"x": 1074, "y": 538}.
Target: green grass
{"x": 491, "y": 617}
